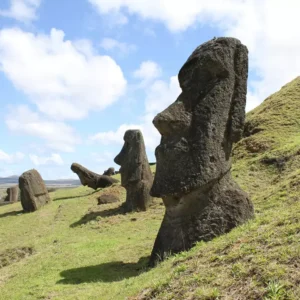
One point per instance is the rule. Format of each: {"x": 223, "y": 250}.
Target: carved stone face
{"x": 131, "y": 156}
{"x": 198, "y": 129}
{"x": 78, "y": 170}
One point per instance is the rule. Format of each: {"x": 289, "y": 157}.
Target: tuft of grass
{"x": 275, "y": 291}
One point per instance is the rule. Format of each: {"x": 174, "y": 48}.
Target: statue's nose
{"x": 174, "y": 119}
{"x": 118, "y": 159}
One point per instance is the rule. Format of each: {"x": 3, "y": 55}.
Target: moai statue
{"x": 91, "y": 179}
{"x": 109, "y": 172}
{"x": 12, "y": 194}
{"x": 136, "y": 176}
{"x": 193, "y": 159}
{"x": 34, "y": 193}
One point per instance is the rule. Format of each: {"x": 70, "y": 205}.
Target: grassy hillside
{"x": 74, "y": 249}
{"x": 260, "y": 260}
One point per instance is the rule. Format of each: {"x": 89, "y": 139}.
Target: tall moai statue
{"x": 193, "y": 159}
{"x": 136, "y": 176}
{"x": 34, "y": 193}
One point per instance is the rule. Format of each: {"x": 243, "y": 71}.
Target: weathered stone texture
{"x": 136, "y": 176}
{"x": 12, "y": 194}
{"x": 193, "y": 159}
{"x": 34, "y": 193}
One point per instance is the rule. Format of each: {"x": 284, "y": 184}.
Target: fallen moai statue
{"x": 34, "y": 193}
{"x": 91, "y": 179}
{"x": 136, "y": 176}
{"x": 193, "y": 159}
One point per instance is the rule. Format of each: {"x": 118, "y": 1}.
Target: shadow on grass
{"x": 79, "y": 196}
{"x": 12, "y": 213}
{"x": 107, "y": 272}
{"x": 103, "y": 214}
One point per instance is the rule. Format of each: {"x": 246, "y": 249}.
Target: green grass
{"x": 80, "y": 250}
{"x": 83, "y": 251}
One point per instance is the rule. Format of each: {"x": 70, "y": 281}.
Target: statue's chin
{"x": 154, "y": 193}
{"x": 172, "y": 189}
{"x": 160, "y": 191}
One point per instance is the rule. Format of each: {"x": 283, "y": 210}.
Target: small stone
{"x": 107, "y": 198}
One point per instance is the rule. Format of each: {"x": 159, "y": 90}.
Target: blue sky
{"x": 76, "y": 74}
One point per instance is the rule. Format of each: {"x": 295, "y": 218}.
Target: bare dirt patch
{"x": 11, "y": 256}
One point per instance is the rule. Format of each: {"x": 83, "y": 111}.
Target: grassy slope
{"x": 82, "y": 251}
{"x": 260, "y": 260}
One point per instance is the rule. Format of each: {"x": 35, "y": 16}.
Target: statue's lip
{"x": 179, "y": 146}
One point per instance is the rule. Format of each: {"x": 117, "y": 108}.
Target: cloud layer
{"x": 22, "y": 10}
{"x": 158, "y": 95}
{"x": 53, "y": 159}
{"x": 56, "y": 135}
{"x": 112, "y": 45}
{"x": 269, "y": 28}
{"x": 64, "y": 79}
{"x": 11, "y": 158}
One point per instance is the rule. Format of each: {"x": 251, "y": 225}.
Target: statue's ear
{"x": 238, "y": 102}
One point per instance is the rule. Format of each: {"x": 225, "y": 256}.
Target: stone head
{"x": 78, "y": 169}
{"x": 131, "y": 157}
{"x": 199, "y": 128}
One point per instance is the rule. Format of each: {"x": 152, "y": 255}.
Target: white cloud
{"x": 11, "y": 158}
{"x": 269, "y": 28}
{"x": 64, "y": 79}
{"x": 57, "y": 135}
{"x": 104, "y": 157}
{"x": 148, "y": 71}
{"x": 110, "y": 44}
{"x": 159, "y": 95}
{"x": 252, "y": 101}
{"x": 109, "y": 137}
{"x": 149, "y": 32}
{"x": 22, "y": 10}
{"x": 176, "y": 15}
{"x": 53, "y": 159}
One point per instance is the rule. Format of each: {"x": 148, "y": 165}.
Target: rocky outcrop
{"x": 34, "y": 193}
{"x": 136, "y": 176}
{"x": 193, "y": 159}
{"x": 91, "y": 179}
{"x": 107, "y": 198}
